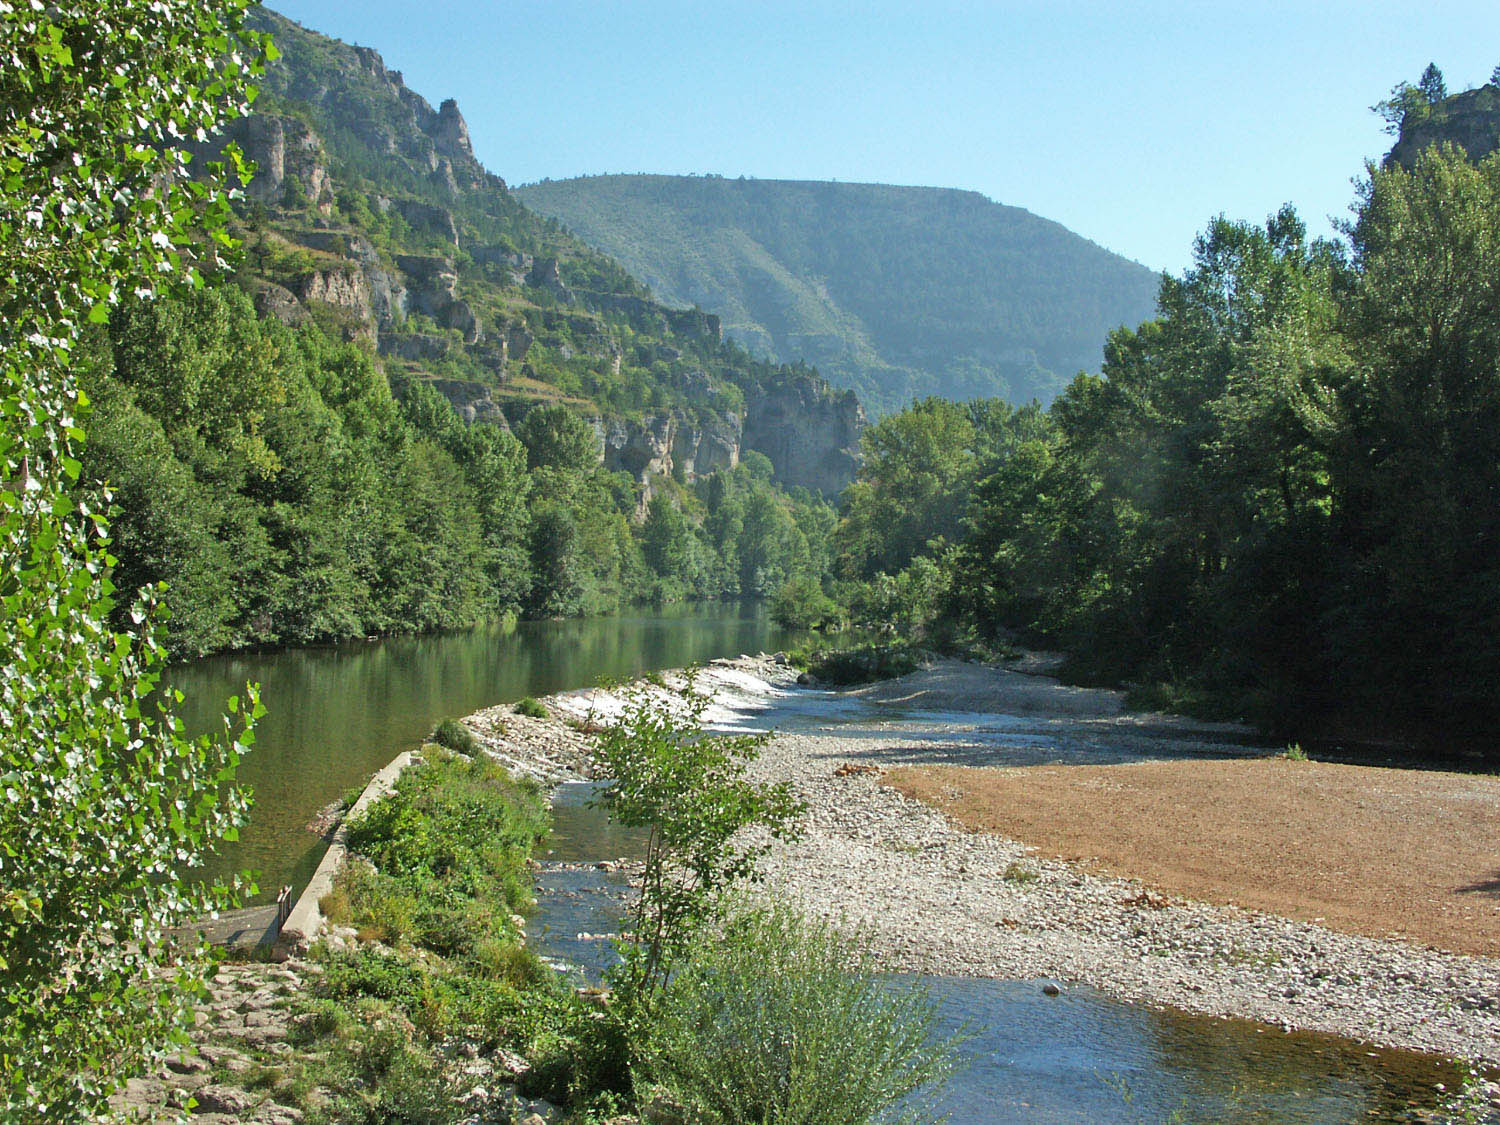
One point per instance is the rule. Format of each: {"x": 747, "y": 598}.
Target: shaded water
{"x": 1077, "y": 1058}
{"x": 335, "y": 715}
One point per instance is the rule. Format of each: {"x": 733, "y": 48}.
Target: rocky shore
{"x": 937, "y": 899}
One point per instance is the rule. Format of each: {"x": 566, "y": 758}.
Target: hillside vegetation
{"x": 897, "y": 292}
{"x": 1277, "y": 499}
{"x": 419, "y": 404}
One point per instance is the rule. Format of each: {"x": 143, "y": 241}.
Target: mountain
{"x": 897, "y": 292}
{"x": 1470, "y": 119}
{"x": 372, "y": 217}
{"x": 415, "y": 404}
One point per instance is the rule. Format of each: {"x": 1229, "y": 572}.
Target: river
{"x": 336, "y": 714}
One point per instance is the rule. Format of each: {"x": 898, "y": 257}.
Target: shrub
{"x": 530, "y": 708}
{"x": 865, "y": 663}
{"x": 777, "y": 1020}
{"x": 694, "y": 792}
{"x": 800, "y": 603}
{"x": 453, "y": 735}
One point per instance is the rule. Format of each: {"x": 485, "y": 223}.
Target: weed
{"x": 1020, "y": 873}
{"x": 530, "y": 708}
{"x": 453, "y": 735}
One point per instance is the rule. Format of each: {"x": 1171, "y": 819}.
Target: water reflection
{"x": 337, "y": 714}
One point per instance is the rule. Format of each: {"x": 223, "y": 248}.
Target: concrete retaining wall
{"x": 305, "y": 922}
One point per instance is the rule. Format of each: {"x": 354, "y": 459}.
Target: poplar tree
{"x": 105, "y": 797}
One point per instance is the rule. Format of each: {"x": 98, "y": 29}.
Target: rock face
{"x": 340, "y": 286}
{"x": 455, "y": 248}
{"x": 472, "y": 401}
{"x": 809, "y": 431}
{"x": 1470, "y": 120}
{"x": 668, "y": 444}
{"x": 272, "y": 300}
{"x": 450, "y": 133}
{"x": 283, "y": 149}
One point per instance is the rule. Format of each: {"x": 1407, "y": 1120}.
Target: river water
{"x": 1079, "y": 1058}
{"x": 337, "y": 714}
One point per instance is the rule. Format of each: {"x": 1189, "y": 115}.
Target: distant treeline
{"x": 1280, "y": 500}
{"x": 286, "y": 494}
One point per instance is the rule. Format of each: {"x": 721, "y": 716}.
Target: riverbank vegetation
{"x": 425, "y": 987}
{"x": 290, "y": 493}
{"x": 104, "y": 795}
{"x": 1275, "y": 501}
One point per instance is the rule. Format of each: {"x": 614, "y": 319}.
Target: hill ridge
{"x": 897, "y": 291}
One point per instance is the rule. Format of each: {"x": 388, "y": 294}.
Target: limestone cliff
{"x": 809, "y": 431}
{"x": 1470, "y": 120}
{"x": 373, "y": 220}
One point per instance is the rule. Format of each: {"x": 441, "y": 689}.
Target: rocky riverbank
{"x": 937, "y": 899}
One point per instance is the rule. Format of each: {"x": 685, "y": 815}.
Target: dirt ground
{"x": 1388, "y": 853}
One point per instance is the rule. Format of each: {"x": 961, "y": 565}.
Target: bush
{"x": 865, "y": 663}
{"x": 802, "y": 604}
{"x": 530, "y": 708}
{"x": 779, "y": 1021}
{"x": 453, "y": 735}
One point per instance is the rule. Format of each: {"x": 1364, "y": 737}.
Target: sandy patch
{"x": 1387, "y": 853}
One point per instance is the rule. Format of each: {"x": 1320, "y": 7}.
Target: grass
{"x": 530, "y": 708}
{"x": 1020, "y": 874}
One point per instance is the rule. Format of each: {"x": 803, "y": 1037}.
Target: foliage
{"x": 1271, "y": 502}
{"x": 296, "y": 485}
{"x": 106, "y": 798}
{"x": 448, "y": 850}
{"x": 434, "y": 898}
{"x": 530, "y": 708}
{"x": 862, "y": 664}
{"x": 453, "y": 735}
{"x": 900, "y": 293}
{"x": 773, "y": 1018}
{"x": 692, "y": 791}
{"x": 800, "y": 603}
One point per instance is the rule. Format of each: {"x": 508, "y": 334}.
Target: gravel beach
{"x": 935, "y": 898}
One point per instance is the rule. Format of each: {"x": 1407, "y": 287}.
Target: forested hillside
{"x": 1277, "y": 501}
{"x": 897, "y": 292}
{"x": 419, "y": 404}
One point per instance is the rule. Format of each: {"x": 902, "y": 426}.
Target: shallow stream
{"x": 1079, "y": 1057}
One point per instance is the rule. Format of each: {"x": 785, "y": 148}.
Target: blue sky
{"x": 1131, "y": 123}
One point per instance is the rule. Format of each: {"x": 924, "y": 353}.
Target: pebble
{"x": 932, "y": 899}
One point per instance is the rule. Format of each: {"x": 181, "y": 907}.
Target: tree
{"x": 1432, "y": 85}
{"x": 106, "y": 799}
{"x": 557, "y": 438}
{"x": 1495, "y": 77}
{"x": 694, "y": 793}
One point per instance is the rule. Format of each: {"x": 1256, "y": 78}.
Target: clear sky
{"x": 1131, "y": 123}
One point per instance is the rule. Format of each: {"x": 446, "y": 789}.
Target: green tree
{"x": 692, "y": 791}
{"x": 1432, "y": 85}
{"x": 557, "y": 438}
{"x": 667, "y": 539}
{"x": 912, "y": 487}
{"x": 105, "y": 798}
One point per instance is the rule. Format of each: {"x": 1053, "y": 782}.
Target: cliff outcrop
{"x": 1470, "y": 120}
{"x": 423, "y": 256}
{"x": 809, "y": 431}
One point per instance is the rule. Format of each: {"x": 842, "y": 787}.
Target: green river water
{"x": 335, "y": 715}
